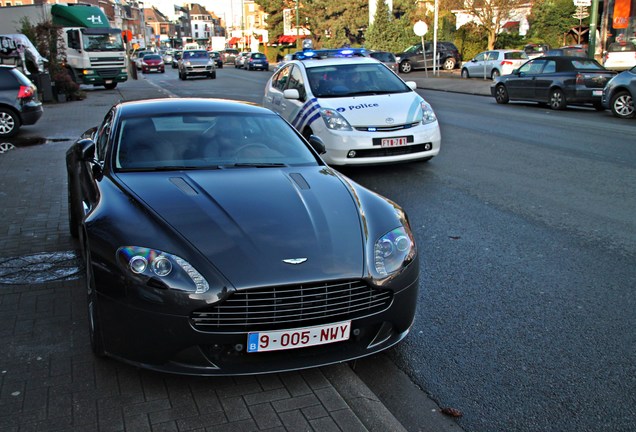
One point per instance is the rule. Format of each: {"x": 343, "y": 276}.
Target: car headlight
{"x": 397, "y": 59}
{"x": 210, "y": 62}
{"x": 334, "y": 120}
{"x": 428, "y": 115}
{"x": 187, "y": 63}
{"x": 393, "y": 251}
{"x": 175, "y": 272}
{"x": 143, "y": 63}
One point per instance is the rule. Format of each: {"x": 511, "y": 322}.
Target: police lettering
{"x": 361, "y": 106}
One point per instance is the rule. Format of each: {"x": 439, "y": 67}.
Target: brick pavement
{"x": 49, "y": 379}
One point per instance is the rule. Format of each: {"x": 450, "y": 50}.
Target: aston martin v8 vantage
{"x": 217, "y": 242}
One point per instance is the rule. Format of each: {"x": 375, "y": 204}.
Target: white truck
{"x": 95, "y": 52}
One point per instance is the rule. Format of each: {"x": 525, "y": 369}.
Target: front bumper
{"x": 158, "y": 340}
{"x": 425, "y": 143}
{"x": 198, "y": 70}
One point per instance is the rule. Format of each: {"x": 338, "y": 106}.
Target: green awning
{"x": 79, "y": 16}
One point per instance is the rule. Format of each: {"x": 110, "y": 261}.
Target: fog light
{"x": 351, "y": 154}
{"x": 428, "y": 146}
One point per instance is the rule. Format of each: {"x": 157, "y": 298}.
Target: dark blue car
{"x": 620, "y": 93}
{"x": 256, "y": 60}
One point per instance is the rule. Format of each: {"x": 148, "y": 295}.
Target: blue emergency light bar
{"x": 330, "y": 53}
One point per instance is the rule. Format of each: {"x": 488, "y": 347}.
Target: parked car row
{"x": 558, "y": 81}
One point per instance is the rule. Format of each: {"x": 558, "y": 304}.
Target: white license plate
{"x": 153, "y": 69}
{"x": 108, "y": 81}
{"x": 393, "y": 142}
{"x": 298, "y": 338}
{"x": 597, "y": 92}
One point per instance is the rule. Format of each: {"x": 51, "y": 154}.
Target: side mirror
{"x": 317, "y": 144}
{"x": 87, "y": 149}
{"x": 291, "y": 94}
{"x": 412, "y": 85}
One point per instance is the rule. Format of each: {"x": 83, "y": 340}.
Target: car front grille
{"x": 386, "y": 128}
{"x": 292, "y": 306}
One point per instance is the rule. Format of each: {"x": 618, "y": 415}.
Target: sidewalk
{"x": 450, "y": 82}
{"x": 49, "y": 379}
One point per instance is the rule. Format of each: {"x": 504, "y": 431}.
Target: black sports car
{"x": 218, "y": 242}
{"x": 557, "y": 81}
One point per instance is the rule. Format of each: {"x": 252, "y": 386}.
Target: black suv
{"x": 19, "y": 103}
{"x": 412, "y": 57}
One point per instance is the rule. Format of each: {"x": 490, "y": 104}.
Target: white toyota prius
{"x": 363, "y": 112}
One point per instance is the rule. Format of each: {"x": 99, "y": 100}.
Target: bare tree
{"x": 492, "y": 14}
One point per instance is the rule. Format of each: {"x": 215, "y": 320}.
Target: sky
{"x": 224, "y": 9}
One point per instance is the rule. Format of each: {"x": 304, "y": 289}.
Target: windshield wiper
{"x": 370, "y": 92}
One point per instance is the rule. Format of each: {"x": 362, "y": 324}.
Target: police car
{"x": 363, "y": 112}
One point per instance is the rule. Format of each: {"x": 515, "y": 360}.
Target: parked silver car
{"x": 493, "y": 63}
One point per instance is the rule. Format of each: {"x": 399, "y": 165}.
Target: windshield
{"x": 195, "y": 55}
{"x": 103, "y": 42}
{"x": 345, "y": 80}
{"x": 413, "y": 48}
{"x": 208, "y": 141}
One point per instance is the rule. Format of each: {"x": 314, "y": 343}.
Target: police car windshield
{"x": 348, "y": 80}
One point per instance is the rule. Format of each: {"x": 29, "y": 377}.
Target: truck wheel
{"x": 110, "y": 86}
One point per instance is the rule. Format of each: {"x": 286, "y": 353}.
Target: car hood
{"x": 246, "y": 222}
{"x": 377, "y": 110}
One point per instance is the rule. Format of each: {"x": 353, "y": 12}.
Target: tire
{"x": 449, "y": 64}
{"x": 622, "y": 105}
{"x": 213, "y": 75}
{"x": 465, "y": 74}
{"x": 110, "y": 86}
{"x": 501, "y": 94}
{"x": 557, "y": 99}
{"x": 406, "y": 67}
{"x": 494, "y": 74}
{"x": 73, "y": 219}
{"x": 94, "y": 323}
{"x": 598, "y": 106}
{"x": 9, "y": 123}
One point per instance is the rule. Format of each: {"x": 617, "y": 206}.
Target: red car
{"x": 152, "y": 63}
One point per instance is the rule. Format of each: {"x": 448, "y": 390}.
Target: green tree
{"x": 388, "y": 33}
{"x": 550, "y": 20}
{"x": 335, "y": 23}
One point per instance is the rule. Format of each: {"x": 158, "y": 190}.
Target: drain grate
{"x": 41, "y": 267}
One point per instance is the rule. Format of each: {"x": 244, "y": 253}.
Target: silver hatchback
{"x": 493, "y": 63}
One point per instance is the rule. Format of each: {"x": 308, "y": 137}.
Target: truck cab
{"x": 95, "y": 52}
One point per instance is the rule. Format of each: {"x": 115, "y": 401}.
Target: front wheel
{"x": 501, "y": 94}
{"x": 406, "y": 67}
{"x": 213, "y": 75}
{"x": 465, "y": 73}
{"x": 9, "y": 123}
{"x": 110, "y": 86}
{"x": 622, "y": 105}
{"x": 94, "y": 324}
{"x": 557, "y": 99}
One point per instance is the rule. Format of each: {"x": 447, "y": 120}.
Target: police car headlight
{"x": 428, "y": 115}
{"x": 334, "y": 120}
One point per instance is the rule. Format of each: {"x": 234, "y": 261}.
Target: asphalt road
{"x": 526, "y": 225}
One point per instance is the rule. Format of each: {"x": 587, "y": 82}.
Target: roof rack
{"x": 330, "y": 53}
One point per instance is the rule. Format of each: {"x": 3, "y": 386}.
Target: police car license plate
{"x": 393, "y": 142}
{"x": 298, "y": 338}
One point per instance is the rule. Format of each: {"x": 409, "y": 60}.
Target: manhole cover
{"x": 40, "y": 267}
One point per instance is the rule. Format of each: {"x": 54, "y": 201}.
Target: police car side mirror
{"x": 412, "y": 85}
{"x": 317, "y": 144}
{"x": 291, "y": 94}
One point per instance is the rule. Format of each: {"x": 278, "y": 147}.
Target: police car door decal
{"x": 311, "y": 108}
